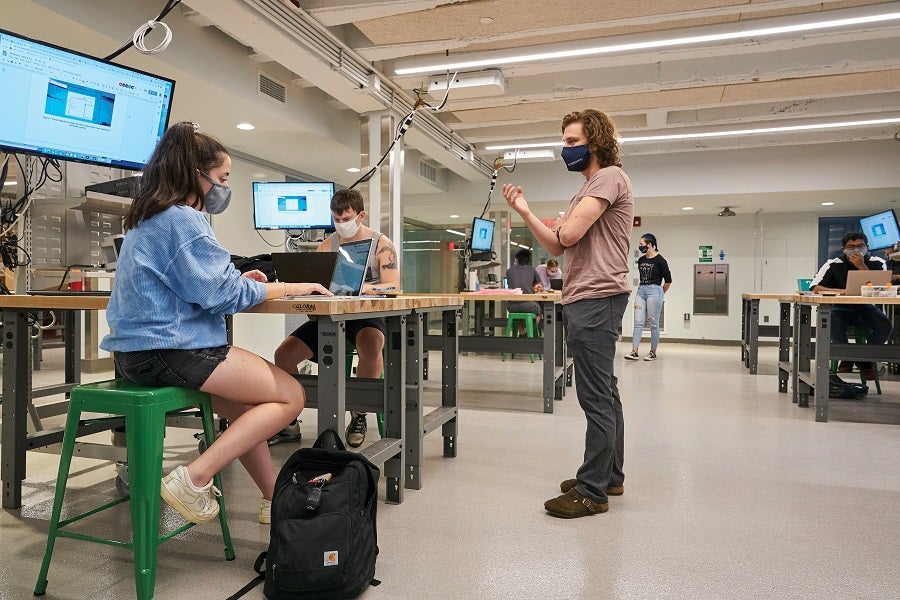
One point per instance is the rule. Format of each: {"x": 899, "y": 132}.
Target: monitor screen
{"x": 881, "y": 229}
{"x": 482, "y": 235}
{"x": 67, "y": 105}
{"x": 292, "y": 205}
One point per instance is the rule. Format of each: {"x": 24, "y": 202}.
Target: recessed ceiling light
{"x": 353, "y": 170}
{"x": 454, "y": 216}
{"x": 562, "y": 212}
{"x": 687, "y": 208}
{"x": 828, "y": 204}
{"x": 246, "y": 126}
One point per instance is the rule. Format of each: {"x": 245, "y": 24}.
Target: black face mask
{"x": 576, "y": 157}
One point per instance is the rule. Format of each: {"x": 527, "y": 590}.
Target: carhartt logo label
{"x": 331, "y": 558}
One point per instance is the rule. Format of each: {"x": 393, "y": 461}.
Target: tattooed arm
{"x": 385, "y": 266}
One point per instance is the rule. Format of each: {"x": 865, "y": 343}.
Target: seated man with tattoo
{"x": 366, "y": 334}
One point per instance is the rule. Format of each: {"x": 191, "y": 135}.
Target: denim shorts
{"x": 182, "y": 368}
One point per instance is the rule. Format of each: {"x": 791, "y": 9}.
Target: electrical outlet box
{"x": 687, "y": 316}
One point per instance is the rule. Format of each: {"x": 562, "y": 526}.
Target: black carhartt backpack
{"x": 323, "y": 541}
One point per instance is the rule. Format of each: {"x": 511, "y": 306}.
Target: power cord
{"x": 137, "y": 40}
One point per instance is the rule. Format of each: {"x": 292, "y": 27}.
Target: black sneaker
{"x": 632, "y": 356}
{"x": 356, "y": 430}
{"x": 651, "y": 356}
{"x": 291, "y": 433}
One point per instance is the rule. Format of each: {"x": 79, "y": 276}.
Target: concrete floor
{"x": 731, "y": 492}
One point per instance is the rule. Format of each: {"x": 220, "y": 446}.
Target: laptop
{"x": 352, "y": 265}
{"x": 556, "y": 284}
{"x": 857, "y": 279}
{"x": 305, "y": 267}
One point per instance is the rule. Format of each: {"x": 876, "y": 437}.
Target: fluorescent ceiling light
{"x": 712, "y": 134}
{"x": 687, "y": 208}
{"x": 454, "y": 216}
{"x": 353, "y": 170}
{"x": 828, "y": 204}
{"x": 246, "y": 126}
{"x": 10, "y": 182}
{"x": 495, "y": 61}
{"x": 518, "y": 155}
{"x": 453, "y": 231}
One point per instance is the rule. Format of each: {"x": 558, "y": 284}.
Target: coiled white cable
{"x": 138, "y": 38}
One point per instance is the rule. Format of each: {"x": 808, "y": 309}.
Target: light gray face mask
{"x": 217, "y": 198}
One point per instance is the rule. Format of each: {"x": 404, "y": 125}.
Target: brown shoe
{"x": 572, "y": 505}
{"x": 845, "y": 366}
{"x": 611, "y": 490}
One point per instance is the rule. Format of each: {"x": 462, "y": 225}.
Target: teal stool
{"x": 144, "y": 409}
{"x": 530, "y": 320}
{"x": 859, "y": 335}
{"x": 351, "y": 351}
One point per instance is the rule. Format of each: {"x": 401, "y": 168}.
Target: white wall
{"x": 740, "y": 238}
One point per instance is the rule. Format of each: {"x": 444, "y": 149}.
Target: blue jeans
{"x": 592, "y": 330}
{"x": 648, "y": 303}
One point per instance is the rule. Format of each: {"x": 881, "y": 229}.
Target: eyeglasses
{"x": 859, "y": 247}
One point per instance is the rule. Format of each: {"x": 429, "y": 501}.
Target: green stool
{"x": 144, "y": 409}
{"x": 530, "y": 327}
{"x": 351, "y": 351}
{"x": 859, "y": 335}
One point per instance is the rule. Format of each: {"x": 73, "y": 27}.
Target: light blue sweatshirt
{"x": 174, "y": 285}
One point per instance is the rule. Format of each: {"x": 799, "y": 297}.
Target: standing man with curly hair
{"x": 593, "y": 236}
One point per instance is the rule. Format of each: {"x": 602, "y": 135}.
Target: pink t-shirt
{"x": 597, "y": 265}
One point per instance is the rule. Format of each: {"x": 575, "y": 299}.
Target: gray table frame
{"x": 556, "y": 366}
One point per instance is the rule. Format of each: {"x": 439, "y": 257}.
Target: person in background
{"x": 174, "y": 286}
{"x": 523, "y": 276}
{"x": 832, "y": 277}
{"x": 549, "y": 271}
{"x": 367, "y": 335}
{"x": 593, "y": 236}
{"x": 655, "y": 280}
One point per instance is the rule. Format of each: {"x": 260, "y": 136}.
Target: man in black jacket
{"x": 832, "y": 277}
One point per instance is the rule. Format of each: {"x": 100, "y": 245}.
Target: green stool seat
{"x": 144, "y": 409}
{"x": 859, "y": 335}
{"x": 530, "y": 320}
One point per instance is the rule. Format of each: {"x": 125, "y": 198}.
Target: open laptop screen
{"x": 351, "y": 268}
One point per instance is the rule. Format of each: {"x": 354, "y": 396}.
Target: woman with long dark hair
{"x": 655, "y": 279}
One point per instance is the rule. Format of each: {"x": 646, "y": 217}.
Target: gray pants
{"x": 592, "y": 329}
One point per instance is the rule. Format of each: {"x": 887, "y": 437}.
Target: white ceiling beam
{"x": 739, "y": 11}
{"x": 339, "y": 12}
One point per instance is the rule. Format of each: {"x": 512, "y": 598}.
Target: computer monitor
{"x": 881, "y": 229}
{"x": 292, "y": 205}
{"x": 71, "y": 106}
{"x": 482, "y": 235}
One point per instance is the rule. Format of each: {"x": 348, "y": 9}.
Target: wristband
{"x": 284, "y": 283}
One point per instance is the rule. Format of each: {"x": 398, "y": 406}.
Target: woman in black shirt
{"x": 655, "y": 280}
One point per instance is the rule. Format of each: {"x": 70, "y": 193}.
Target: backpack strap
{"x": 260, "y": 577}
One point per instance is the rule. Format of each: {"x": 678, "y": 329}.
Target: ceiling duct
{"x": 340, "y": 59}
{"x": 726, "y": 212}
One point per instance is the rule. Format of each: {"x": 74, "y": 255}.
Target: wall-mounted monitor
{"x": 881, "y": 229}
{"x": 482, "y": 235}
{"x": 71, "y": 106}
{"x": 292, "y": 205}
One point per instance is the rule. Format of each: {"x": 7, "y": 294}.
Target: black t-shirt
{"x": 833, "y": 273}
{"x": 654, "y": 270}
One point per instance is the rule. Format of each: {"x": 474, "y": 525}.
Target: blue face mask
{"x": 643, "y": 249}
{"x": 576, "y": 157}
{"x": 217, "y": 198}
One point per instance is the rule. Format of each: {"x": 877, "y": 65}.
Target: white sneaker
{"x": 651, "y": 356}
{"x": 197, "y": 505}
{"x": 265, "y": 511}
{"x": 632, "y": 356}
